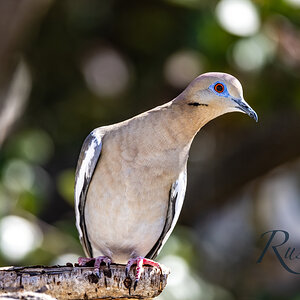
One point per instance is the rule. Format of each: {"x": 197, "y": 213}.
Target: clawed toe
{"x": 97, "y": 261}
{"x": 139, "y": 262}
{"x": 85, "y": 261}
{"x": 102, "y": 259}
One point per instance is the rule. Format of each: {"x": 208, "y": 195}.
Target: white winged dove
{"x": 131, "y": 176}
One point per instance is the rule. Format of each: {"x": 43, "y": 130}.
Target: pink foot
{"x": 83, "y": 261}
{"x": 140, "y": 262}
{"x": 102, "y": 259}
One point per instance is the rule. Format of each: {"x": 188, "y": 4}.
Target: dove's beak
{"x": 245, "y": 108}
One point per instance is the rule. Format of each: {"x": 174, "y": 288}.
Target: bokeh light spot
{"x": 65, "y": 258}
{"x": 253, "y": 53}
{"x": 18, "y": 237}
{"x": 178, "y": 266}
{"x": 36, "y": 146}
{"x": 65, "y": 183}
{"x": 182, "y": 67}
{"x": 106, "y": 72}
{"x": 238, "y": 17}
{"x": 294, "y": 3}
{"x": 181, "y": 283}
{"x": 18, "y": 176}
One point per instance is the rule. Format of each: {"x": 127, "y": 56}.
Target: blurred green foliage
{"x": 93, "y": 63}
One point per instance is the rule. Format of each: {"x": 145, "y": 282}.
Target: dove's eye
{"x": 219, "y": 88}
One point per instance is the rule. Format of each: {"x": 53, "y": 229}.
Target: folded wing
{"x": 177, "y": 193}
{"x": 88, "y": 159}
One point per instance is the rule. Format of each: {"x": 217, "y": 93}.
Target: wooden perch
{"x": 68, "y": 282}
{"x": 25, "y": 295}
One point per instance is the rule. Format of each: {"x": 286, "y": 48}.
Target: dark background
{"x": 67, "y": 67}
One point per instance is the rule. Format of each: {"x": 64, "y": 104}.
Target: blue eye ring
{"x": 219, "y": 88}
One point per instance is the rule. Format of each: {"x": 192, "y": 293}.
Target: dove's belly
{"x": 126, "y": 216}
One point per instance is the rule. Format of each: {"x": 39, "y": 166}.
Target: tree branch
{"x": 68, "y": 282}
{"x": 25, "y": 295}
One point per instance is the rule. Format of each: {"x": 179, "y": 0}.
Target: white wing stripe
{"x": 85, "y": 171}
{"x": 176, "y": 198}
{"x": 178, "y": 188}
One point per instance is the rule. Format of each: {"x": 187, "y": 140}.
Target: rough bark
{"x": 68, "y": 282}
{"x": 25, "y": 295}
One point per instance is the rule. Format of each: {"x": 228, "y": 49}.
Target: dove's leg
{"x": 140, "y": 262}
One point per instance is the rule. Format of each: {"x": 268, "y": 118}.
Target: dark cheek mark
{"x": 197, "y": 104}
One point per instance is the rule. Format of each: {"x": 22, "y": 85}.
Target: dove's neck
{"x": 172, "y": 125}
{"x": 160, "y": 138}
{"x": 178, "y": 123}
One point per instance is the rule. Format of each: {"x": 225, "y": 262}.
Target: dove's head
{"x": 216, "y": 94}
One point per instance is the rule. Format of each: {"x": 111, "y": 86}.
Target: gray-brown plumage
{"x": 131, "y": 176}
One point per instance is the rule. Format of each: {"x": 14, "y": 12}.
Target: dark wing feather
{"x": 176, "y": 197}
{"x": 88, "y": 159}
